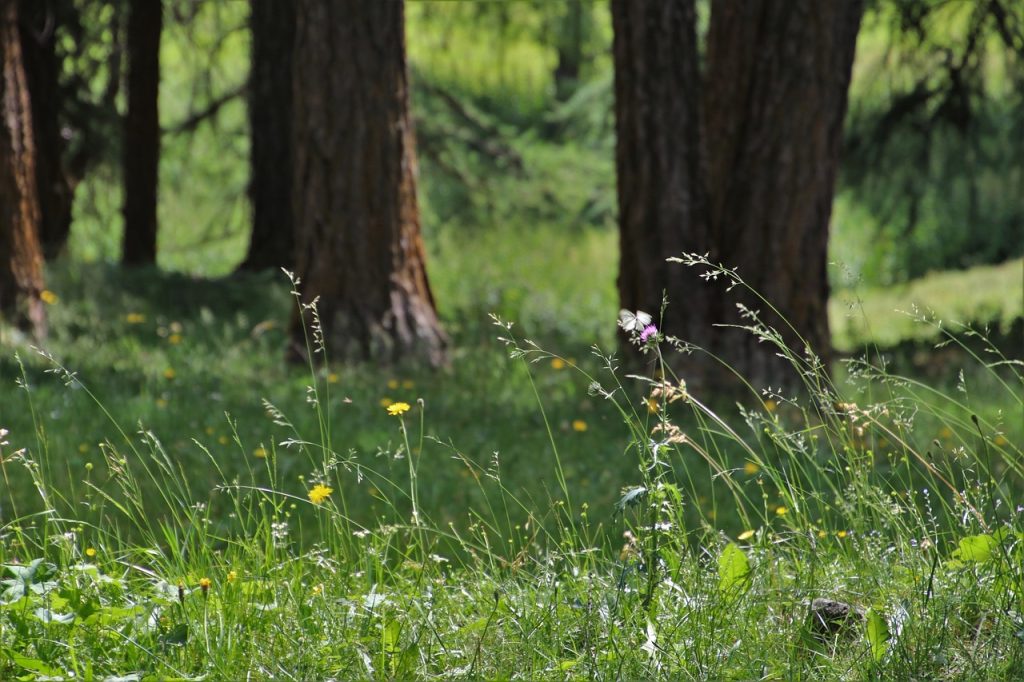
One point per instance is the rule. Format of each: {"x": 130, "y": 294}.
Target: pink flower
{"x": 649, "y": 331}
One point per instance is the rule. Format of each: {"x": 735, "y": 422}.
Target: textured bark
{"x": 270, "y": 121}
{"x": 775, "y": 100}
{"x": 662, "y": 205}
{"x": 741, "y": 166}
{"x": 21, "y": 260}
{"x": 142, "y": 132}
{"x": 354, "y": 203}
{"x": 54, "y": 184}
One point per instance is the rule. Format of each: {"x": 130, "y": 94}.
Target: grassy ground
{"x": 513, "y": 523}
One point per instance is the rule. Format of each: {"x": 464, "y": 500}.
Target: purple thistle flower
{"x": 649, "y": 331}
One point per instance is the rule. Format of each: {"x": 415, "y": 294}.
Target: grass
{"x": 517, "y": 521}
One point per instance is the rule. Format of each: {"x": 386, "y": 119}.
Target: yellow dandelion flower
{"x": 134, "y": 318}
{"x": 745, "y": 535}
{"x": 751, "y": 468}
{"x": 841, "y": 534}
{"x": 1000, "y": 440}
{"x": 169, "y": 373}
{"x": 90, "y": 552}
{"x": 174, "y": 339}
{"x": 393, "y": 384}
{"x": 781, "y": 511}
{"x": 579, "y": 425}
{"x": 231, "y": 576}
{"x": 260, "y": 453}
{"x": 771, "y": 405}
{"x": 396, "y": 409}
{"x": 822, "y": 534}
{"x": 557, "y": 363}
{"x": 386, "y": 402}
{"x": 205, "y": 583}
{"x": 48, "y": 297}
{"x": 320, "y": 493}
{"x": 333, "y": 378}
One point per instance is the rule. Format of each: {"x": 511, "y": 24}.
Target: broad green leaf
{"x": 733, "y": 568}
{"x": 878, "y": 634}
{"x": 33, "y": 664}
{"x": 976, "y": 548}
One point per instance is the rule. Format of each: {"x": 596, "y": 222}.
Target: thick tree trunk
{"x": 775, "y": 100}
{"x": 54, "y": 185}
{"x": 142, "y": 132}
{"x": 21, "y": 259}
{"x": 662, "y": 206}
{"x": 270, "y": 120}
{"x": 356, "y": 219}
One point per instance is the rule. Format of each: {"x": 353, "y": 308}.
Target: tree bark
{"x": 775, "y": 100}
{"x": 270, "y": 121}
{"x": 142, "y": 132}
{"x": 55, "y": 186}
{"x": 662, "y": 202}
{"x": 21, "y": 260}
{"x": 359, "y": 249}
{"x": 741, "y": 166}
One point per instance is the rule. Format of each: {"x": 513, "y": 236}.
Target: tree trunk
{"x": 55, "y": 186}
{"x": 745, "y": 172}
{"x": 775, "y": 100}
{"x": 21, "y": 260}
{"x": 356, "y": 219}
{"x": 142, "y": 132}
{"x": 569, "y": 46}
{"x": 662, "y": 206}
{"x": 270, "y": 121}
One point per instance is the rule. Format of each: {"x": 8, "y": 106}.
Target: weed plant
{"x": 735, "y": 538}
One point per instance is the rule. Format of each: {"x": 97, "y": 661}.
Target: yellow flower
{"x": 83, "y": 448}
{"x": 223, "y": 440}
{"x": 408, "y": 384}
{"x": 1000, "y": 440}
{"x": 169, "y": 373}
{"x": 579, "y": 425}
{"x": 396, "y": 409}
{"x": 260, "y": 453}
{"x": 745, "y": 535}
{"x": 204, "y": 583}
{"x": 333, "y": 378}
{"x": 841, "y": 534}
{"x": 161, "y": 402}
{"x": 231, "y": 576}
{"x": 174, "y": 339}
{"x": 386, "y": 402}
{"x": 945, "y": 433}
{"x": 751, "y": 468}
{"x": 392, "y": 383}
{"x": 49, "y": 298}
{"x": 320, "y": 493}
{"x": 317, "y": 589}
{"x": 822, "y": 534}
{"x": 90, "y": 552}
{"x": 209, "y": 430}
{"x": 771, "y": 405}
{"x": 781, "y": 511}
{"x": 652, "y": 405}
{"x": 134, "y": 318}
{"x": 557, "y": 363}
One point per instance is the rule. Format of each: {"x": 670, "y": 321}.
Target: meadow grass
{"x": 532, "y": 515}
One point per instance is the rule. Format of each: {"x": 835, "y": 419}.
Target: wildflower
{"x": 169, "y": 373}
{"x": 134, "y": 318}
{"x": 822, "y": 534}
{"x": 745, "y": 535}
{"x": 231, "y": 576}
{"x": 90, "y": 552}
{"x": 841, "y": 534}
{"x": 386, "y": 402}
{"x": 408, "y": 384}
{"x": 223, "y": 440}
{"x": 770, "y": 405}
{"x": 648, "y": 332}
{"x": 332, "y": 378}
{"x": 392, "y": 384}
{"x": 174, "y": 339}
{"x": 652, "y": 405}
{"x": 750, "y": 468}
{"x": 204, "y": 585}
{"x": 260, "y": 453}
{"x": 209, "y": 430}
{"x": 557, "y": 363}
{"x": 317, "y": 589}
{"x": 1000, "y": 440}
{"x": 945, "y": 433}
{"x": 781, "y": 511}
{"x": 83, "y": 448}
{"x": 48, "y": 297}
{"x": 320, "y": 493}
{"x": 396, "y": 409}
{"x": 579, "y": 425}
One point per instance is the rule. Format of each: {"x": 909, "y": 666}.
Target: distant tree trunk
{"x": 270, "y": 121}
{"x": 662, "y": 205}
{"x": 355, "y": 214}
{"x": 142, "y": 132}
{"x": 741, "y": 166}
{"x": 569, "y": 47}
{"x": 775, "y": 100}
{"x": 21, "y": 259}
{"x": 39, "y": 21}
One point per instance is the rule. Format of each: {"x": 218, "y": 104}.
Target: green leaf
{"x": 976, "y": 548}
{"x": 733, "y": 568}
{"x": 32, "y": 664}
{"x": 878, "y": 634}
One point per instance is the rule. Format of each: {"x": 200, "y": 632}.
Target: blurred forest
{"x": 513, "y": 105}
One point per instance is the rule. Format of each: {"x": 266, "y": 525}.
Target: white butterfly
{"x": 634, "y": 322}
